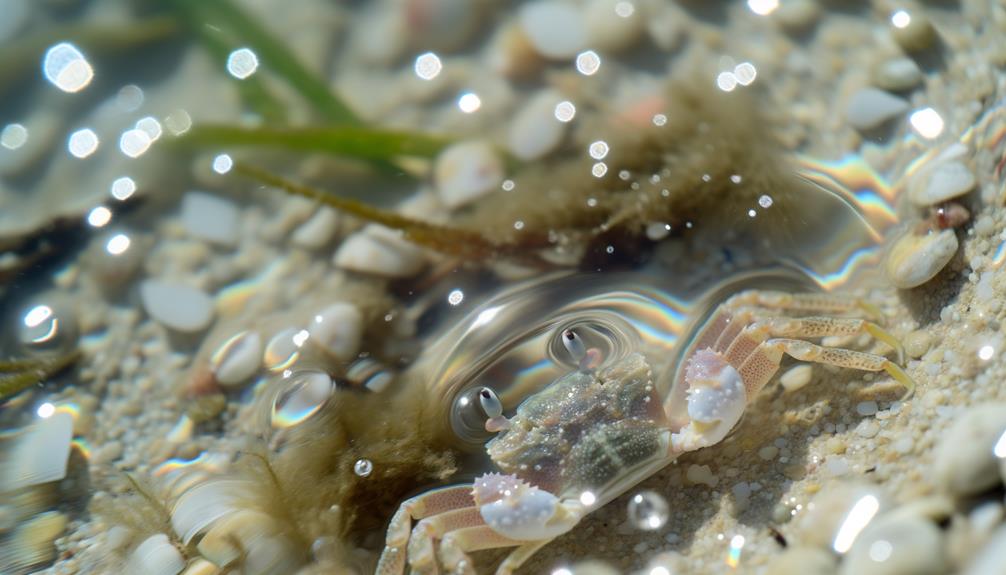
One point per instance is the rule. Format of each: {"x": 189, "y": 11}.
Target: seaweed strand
{"x": 16, "y": 375}
{"x": 467, "y": 244}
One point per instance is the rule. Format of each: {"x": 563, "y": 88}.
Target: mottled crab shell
{"x": 586, "y": 430}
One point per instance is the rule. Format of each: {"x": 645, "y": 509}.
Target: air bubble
{"x": 363, "y": 467}
{"x": 302, "y": 396}
{"x": 648, "y": 511}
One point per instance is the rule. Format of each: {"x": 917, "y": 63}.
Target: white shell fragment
{"x": 238, "y": 358}
{"x": 156, "y": 556}
{"x": 380, "y": 251}
{"x": 802, "y": 561}
{"x": 317, "y": 231}
{"x": 894, "y": 545}
{"x": 914, "y": 259}
{"x": 467, "y": 171}
{"x": 943, "y": 181}
{"x": 535, "y": 131}
{"x": 39, "y": 455}
{"x": 210, "y": 218}
{"x": 557, "y": 30}
{"x": 338, "y": 329}
{"x": 253, "y": 538}
{"x": 869, "y": 108}
{"x": 177, "y": 306}
{"x": 199, "y": 507}
{"x": 992, "y": 557}
{"x": 965, "y": 461}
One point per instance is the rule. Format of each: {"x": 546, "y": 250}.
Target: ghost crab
{"x": 593, "y": 433}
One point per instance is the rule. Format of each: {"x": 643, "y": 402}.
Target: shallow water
{"x": 198, "y": 357}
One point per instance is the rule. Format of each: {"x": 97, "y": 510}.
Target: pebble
{"x": 380, "y": 251}
{"x": 768, "y": 453}
{"x": 802, "y": 561}
{"x": 535, "y": 131}
{"x": 895, "y": 546}
{"x": 796, "y": 377}
{"x": 992, "y": 557}
{"x": 237, "y": 359}
{"x": 442, "y": 25}
{"x": 917, "y": 343}
{"x": 318, "y": 230}
{"x": 964, "y": 462}
{"x": 869, "y": 108}
{"x": 797, "y": 15}
{"x": 557, "y": 30}
{"x": 467, "y": 171}
{"x": 210, "y": 218}
{"x": 868, "y": 428}
{"x": 827, "y": 511}
{"x": 897, "y": 74}
{"x": 914, "y": 259}
{"x": 866, "y": 408}
{"x": 917, "y": 35}
{"x": 338, "y": 330}
{"x": 944, "y": 181}
{"x": 176, "y": 306}
{"x": 701, "y": 474}
{"x": 613, "y": 25}
{"x": 107, "y": 453}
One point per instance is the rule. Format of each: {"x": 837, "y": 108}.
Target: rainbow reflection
{"x": 855, "y": 181}
{"x": 734, "y": 555}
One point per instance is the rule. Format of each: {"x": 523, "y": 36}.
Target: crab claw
{"x": 515, "y": 508}
{"x": 716, "y": 401}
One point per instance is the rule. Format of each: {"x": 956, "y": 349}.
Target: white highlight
{"x": 455, "y": 297}
{"x": 428, "y": 66}
{"x": 927, "y": 122}
{"x": 469, "y": 102}
{"x": 858, "y": 518}
{"x": 565, "y": 111}
{"x": 588, "y": 63}
{"x": 242, "y": 63}
{"x": 99, "y": 216}
{"x": 222, "y": 164}
{"x": 82, "y": 143}
{"x": 587, "y": 498}
{"x": 117, "y": 244}
{"x": 45, "y": 410}
{"x": 123, "y": 188}
{"x": 13, "y": 136}
{"x": 67, "y": 68}
{"x": 763, "y": 7}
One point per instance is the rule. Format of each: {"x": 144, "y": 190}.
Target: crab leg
{"x": 801, "y": 302}
{"x": 455, "y": 546}
{"x": 814, "y": 326}
{"x": 422, "y": 554}
{"x": 434, "y": 502}
{"x": 762, "y": 364}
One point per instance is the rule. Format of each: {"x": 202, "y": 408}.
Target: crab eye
{"x": 574, "y": 344}
{"x": 490, "y": 403}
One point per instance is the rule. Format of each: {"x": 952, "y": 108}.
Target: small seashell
{"x": 201, "y": 567}
{"x": 318, "y": 230}
{"x": 238, "y": 358}
{"x": 211, "y": 218}
{"x": 205, "y": 503}
{"x": 965, "y": 460}
{"x": 826, "y": 521}
{"x": 897, "y": 74}
{"x": 283, "y": 349}
{"x": 556, "y": 29}
{"x": 338, "y": 330}
{"x": 914, "y": 259}
{"x": 869, "y": 108}
{"x": 155, "y": 556}
{"x": 39, "y": 455}
{"x": 535, "y": 131}
{"x": 253, "y": 538}
{"x": 177, "y": 306}
{"x": 380, "y": 251}
{"x": 467, "y": 171}
{"x": 894, "y": 545}
{"x": 613, "y": 25}
{"x": 940, "y": 183}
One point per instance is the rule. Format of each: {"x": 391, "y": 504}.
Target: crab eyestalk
{"x": 493, "y": 408}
